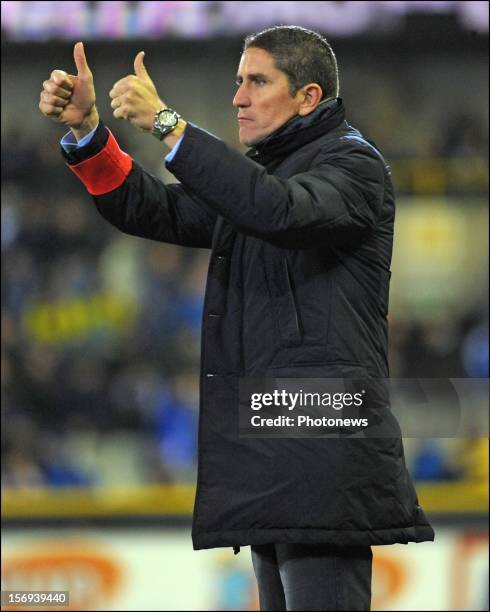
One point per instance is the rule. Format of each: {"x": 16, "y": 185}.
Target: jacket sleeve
{"x": 136, "y": 202}
{"x": 336, "y": 202}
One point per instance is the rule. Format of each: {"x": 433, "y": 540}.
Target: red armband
{"x": 106, "y": 170}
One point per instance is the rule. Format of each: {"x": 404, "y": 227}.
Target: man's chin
{"x": 251, "y": 141}
{"x": 248, "y": 141}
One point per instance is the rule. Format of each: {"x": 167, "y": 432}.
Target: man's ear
{"x": 311, "y": 96}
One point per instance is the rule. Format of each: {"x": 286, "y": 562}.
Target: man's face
{"x": 263, "y": 99}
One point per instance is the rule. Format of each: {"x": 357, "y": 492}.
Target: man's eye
{"x": 256, "y": 81}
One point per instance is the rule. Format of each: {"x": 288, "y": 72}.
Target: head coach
{"x": 301, "y": 232}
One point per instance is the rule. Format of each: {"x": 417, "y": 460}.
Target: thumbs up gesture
{"x": 70, "y": 99}
{"x": 135, "y": 97}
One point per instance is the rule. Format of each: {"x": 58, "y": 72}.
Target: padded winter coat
{"x": 300, "y": 231}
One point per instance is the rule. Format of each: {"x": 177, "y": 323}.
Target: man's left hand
{"x": 135, "y": 97}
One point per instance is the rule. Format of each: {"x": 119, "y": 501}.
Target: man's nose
{"x": 241, "y": 98}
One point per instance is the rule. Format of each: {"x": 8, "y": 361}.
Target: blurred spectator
{"x": 472, "y": 455}
{"x": 430, "y": 463}
{"x": 428, "y": 349}
{"x": 475, "y": 350}
{"x": 176, "y": 424}
{"x": 464, "y": 136}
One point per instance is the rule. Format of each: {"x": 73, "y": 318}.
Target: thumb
{"x": 81, "y": 60}
{"x": 139, "y": 68}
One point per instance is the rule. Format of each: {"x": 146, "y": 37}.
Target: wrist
{"x": 88, "y": 125}
{"x": 171, "y": 139}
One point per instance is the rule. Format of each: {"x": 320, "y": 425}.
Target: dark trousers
{"x": 313, "y": 577}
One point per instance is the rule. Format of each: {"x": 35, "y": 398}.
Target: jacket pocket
{"x": 281, "y": 291}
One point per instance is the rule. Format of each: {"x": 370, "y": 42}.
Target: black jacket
{"x": 301, "y": 232}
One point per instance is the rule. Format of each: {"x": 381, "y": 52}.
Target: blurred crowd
{"x": 101, "y": 337}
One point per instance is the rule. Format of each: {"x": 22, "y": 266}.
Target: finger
{"x": 120, "y": 113}
{"x": 62, "y": 79}
{"x": 117, "y": 93}
{"x": 54, "y": 100}
{"x": 116, "y": 103}
{"x": 139, "y": 67}
{"x": 49, "y": 110}
{"x": 119, "y": 87}
{"x": 81, "y": 61}
{"x": 56, "y": 90}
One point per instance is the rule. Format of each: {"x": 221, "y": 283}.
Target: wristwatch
{"x": 166, "y": 121}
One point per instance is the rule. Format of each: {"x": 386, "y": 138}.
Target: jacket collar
{"x": 299, "y": 131}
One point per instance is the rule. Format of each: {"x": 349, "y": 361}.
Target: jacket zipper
{"x": 290, "y": 286}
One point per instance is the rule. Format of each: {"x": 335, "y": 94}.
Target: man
{"x": 301, "y": 232}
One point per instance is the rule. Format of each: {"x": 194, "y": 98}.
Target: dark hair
{"x": 303, "y": 55}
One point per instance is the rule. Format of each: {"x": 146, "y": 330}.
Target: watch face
{"x": 166, "y": 121}
{"x": 167, "y": 118}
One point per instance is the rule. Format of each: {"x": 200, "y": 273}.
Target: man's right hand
{"x": 70, "y": 99}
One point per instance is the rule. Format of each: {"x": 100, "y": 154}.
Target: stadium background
{"x": 100, "y": 331}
